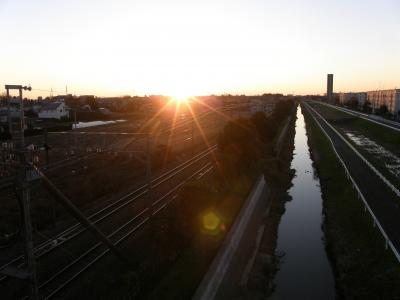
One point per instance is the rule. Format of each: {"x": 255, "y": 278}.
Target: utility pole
{"x": 148, "y": 175}
{"x": 21, "y": 119}
{"x": 24, "y": 199}
{"x": 193, "y": 145}
{"x": 46, "y": 149}
{"x": 9, "y": 87}
{"x": 9, "y": 113}
{"x": 64, "y": 201}
{"x": 75, "y": 127}
{"x": 24, "y": 176}
{"x": 75, "y": 118}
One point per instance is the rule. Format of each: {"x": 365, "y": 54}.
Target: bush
{"x": 266, "y": 127}
{"x": 194, "y": 199}
{"x": 240, "y": 146}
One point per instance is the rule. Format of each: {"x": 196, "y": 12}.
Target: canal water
{"x": 305, "y": 272}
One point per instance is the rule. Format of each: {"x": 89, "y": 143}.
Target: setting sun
{"x": 180, "y": 98}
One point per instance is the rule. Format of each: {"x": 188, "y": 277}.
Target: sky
{"x": 184, "y": 47}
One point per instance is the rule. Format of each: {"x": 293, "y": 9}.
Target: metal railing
{"x": 388, "y": 242}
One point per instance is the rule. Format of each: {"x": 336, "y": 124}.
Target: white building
{"x": 346, "y": 98}
{"x": 388, "y": 98}
{"x": 259, "y": 105}
{"x": 54, "y": 110}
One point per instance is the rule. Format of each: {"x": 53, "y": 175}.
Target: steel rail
{"x": 203, "y": 170}
{"x": 6, "y": 182}
{"x": 76, "y": 229}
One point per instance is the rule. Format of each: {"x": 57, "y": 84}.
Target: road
{"x": 227, "y": 276}
{"x": 382, "y": 200}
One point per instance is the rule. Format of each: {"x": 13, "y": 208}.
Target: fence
{"x": 360, "y": 194}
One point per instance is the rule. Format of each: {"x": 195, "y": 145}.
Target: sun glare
{"x": 180, "y": 98}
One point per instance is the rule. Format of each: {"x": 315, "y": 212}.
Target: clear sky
{"x": 174, "y": 47}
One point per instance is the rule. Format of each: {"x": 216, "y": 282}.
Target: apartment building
{"x": 389, "y": 98}
{"x": 346, "y": 98}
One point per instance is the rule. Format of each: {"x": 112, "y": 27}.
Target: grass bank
{"x": 363, "y": 268}
{"x": 278, "y": 175}
{"x": 383, "y": 136}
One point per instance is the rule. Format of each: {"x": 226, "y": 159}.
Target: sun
{"x": 180, "y": 91}
{"x": 180, "y": 97}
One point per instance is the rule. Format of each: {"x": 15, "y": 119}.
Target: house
{"x": 54, "y": 110}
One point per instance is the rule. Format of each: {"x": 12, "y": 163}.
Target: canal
{"x": 305, "y": 271}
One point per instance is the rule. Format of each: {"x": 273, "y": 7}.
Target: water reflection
{"x": 305, "y": 272}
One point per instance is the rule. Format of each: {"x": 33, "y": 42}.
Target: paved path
{"x": 384, "y": 203}
{"x": 225, "y": 276}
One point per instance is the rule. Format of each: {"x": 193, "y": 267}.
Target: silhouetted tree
{"x": 266, "y": 126}
{"x": 367, "y": 107}
{"x": 382, "y": 110}
{"x": 353, "y": 103}
{"x": 239, "y": 143}
{"x": 92, "y": 103}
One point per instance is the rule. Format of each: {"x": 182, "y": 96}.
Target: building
{"x": 329, "y": 91}
{"x": 388, "y": 98}
{"x": 3, "y": 116}
{"x": 54, "y": 110}
{"x": 104, "y": 111}
{"x": 353, "y": 99}
{"x": 260, "y": 105}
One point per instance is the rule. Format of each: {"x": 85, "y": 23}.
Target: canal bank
{"x": 249, "y": 272}
{"x": 364, "y": 269}
{"x": 304, "y": 271}
{"x": 282, "y": 254}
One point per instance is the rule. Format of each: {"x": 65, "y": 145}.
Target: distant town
{"x": 61, "y": 112}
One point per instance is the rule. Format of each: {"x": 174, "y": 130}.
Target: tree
{"x": 367, "y": 107}
{"x": 239, "y": 143}
{"x": 92, "y": 103}
{"x": 336, "y": 99}
{"x": 353, "y": 103}
{"x": 266, "y": 126}
{"x": 382, "y": 110}
{"x": 281, "y": 110}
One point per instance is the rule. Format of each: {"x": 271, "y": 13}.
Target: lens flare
{"x": 211, "y": 221}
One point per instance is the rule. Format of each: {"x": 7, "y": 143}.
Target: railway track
{"x": 107, "y": 211}
{"x": 57, "y": 280}
{"x": 8, "y": 182}
{"x": 65, "y": 276}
